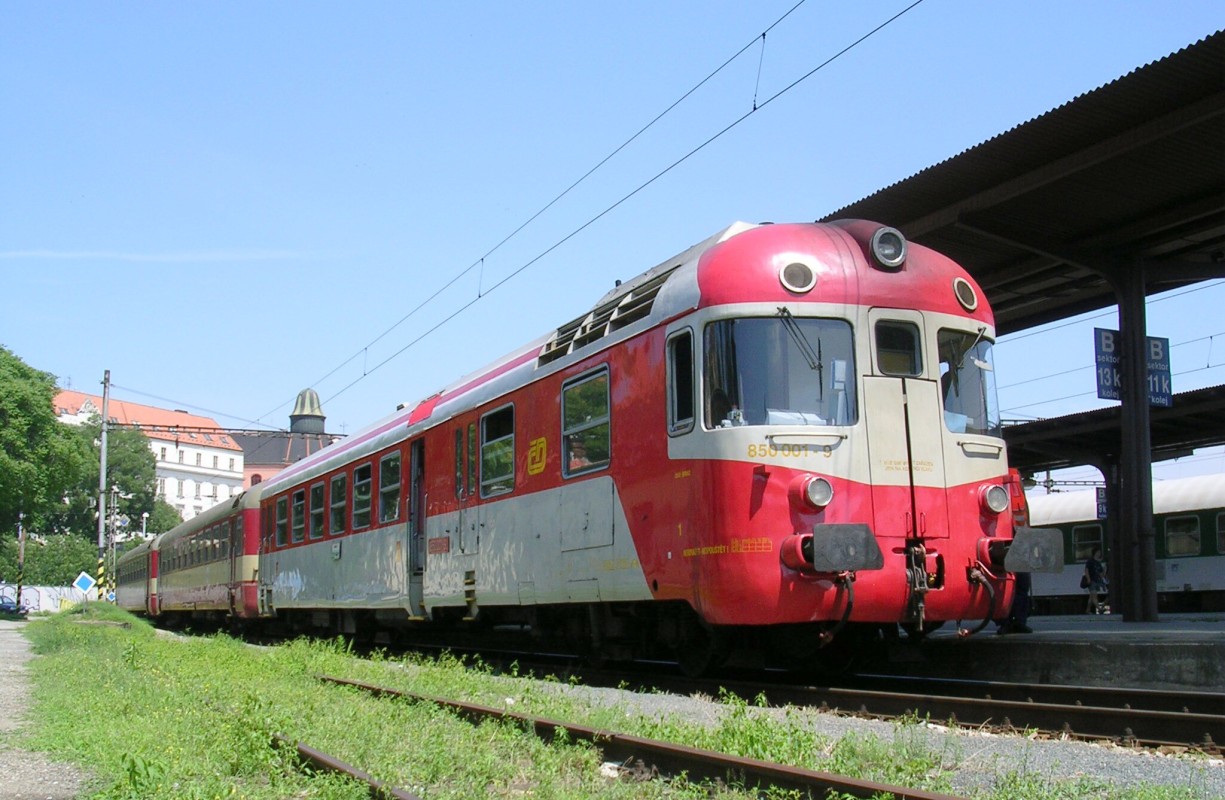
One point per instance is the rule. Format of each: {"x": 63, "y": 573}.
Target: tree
{"x": 130, "y": 466}
{"x": 40, "y": 458}
{"x": 163, "y": 518}
{"x": 49, "y": 560}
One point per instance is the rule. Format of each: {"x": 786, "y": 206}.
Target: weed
{"x": 195, "y": 718}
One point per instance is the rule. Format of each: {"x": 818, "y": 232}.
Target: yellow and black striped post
{"x": 101, "y": 576}
{"x": 21, "y": 558}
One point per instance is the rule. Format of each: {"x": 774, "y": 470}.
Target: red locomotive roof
{"x": 740, "y": 264}
{"x": 746, "y": 267}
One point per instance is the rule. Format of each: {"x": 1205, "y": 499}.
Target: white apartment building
{"x": 198, "y": 463}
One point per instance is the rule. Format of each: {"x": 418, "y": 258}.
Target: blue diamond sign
{"x": 84, "y": 582}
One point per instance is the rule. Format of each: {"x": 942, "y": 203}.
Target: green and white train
{"x": 1189, "y": 523}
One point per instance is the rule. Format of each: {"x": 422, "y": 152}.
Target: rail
{"x": 669, "y": 757}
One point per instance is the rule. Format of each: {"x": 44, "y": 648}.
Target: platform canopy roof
{"x": 1044, "y": 214}
{"x": 1050, "y": 216}
{"x": 1197, "y": 419}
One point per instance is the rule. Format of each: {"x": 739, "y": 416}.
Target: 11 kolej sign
{"x": 1106, "y": 345}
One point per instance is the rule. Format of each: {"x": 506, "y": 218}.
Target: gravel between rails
{"x": 975, "y": 758}
{"x": 26, "y": 775}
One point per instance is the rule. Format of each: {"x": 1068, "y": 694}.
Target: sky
{"x": 225, "y": 203}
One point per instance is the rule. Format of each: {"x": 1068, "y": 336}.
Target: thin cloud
{"x": 201, "y": 256}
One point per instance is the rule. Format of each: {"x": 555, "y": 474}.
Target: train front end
{"x": 844, "y": 463}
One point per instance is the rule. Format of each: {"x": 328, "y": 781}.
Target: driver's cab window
{"x": 898, "y": 351}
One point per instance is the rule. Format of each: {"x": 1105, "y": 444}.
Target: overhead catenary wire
{"x": 1080, "y": 320}
{"x": 481, "y": 261}
{"x": 1209, "y": 338}
{"x": 735, "y": 123}
{"x": 1012, "y": 409}
{"x": 181, "y": 404}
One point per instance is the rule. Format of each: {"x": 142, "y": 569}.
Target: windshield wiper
{"x": 813, "y": 357}
{"x": 961, "y": 359}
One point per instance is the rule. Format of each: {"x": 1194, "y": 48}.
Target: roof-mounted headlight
{"x": 797, "y": 277}
{"x": 889, "y": 248}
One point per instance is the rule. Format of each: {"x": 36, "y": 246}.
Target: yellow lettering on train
{"x": 537, "y": 454}
{"x": 756, "y": 544}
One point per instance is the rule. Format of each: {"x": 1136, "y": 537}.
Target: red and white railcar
{"x": 206, "y": 566}
{"x": 782, "y": 430}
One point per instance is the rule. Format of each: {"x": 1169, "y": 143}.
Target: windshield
{"x": 781, "y": 370}
{"x": 967, "y": 382}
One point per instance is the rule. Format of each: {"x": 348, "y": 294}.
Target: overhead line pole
{"x": 21, "y": 557}
{"x": 106, "y": 400}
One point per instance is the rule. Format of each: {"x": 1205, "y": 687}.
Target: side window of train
{"x": 282, "y": 520}
{"x": 362, "y": 487}
{"x": 471, "y": 485}
{"x": 586, "y": 439}
{"x": 389, "y": 488}
{"x": 498, "y": 452}
{"x": 898, "y": 350}
{"x": 298, "y": 526}
{"x": 1182, "y": 536}
{"x": 1086, "y": 539}
{"x": 340, "y": 502}
{"x": 317, "y": 511}
{"x": 680, "y": 383}
{"x": 459, "y": 462}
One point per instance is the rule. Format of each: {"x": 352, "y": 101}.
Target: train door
{"x": 152, "y": 566}
{"x": 466, "y": 488}
{"x": 235, "y": 552}
{"x": 416, "y": 507}
{"x": 905, "y": 443}
{"x": 416, "y": 527}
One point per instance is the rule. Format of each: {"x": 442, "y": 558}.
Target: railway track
{"x": 317, "y": 759}
{"x": 1140, "y": 717}
{"x": 1135, "y": 717}
{"x": 669, "y": 758}
{"x": 1129, "y": 716}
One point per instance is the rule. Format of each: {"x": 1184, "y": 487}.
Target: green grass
{"x": 164, "y": 717}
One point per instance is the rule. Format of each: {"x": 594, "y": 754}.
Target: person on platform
{"x": 1095, "y": 582}
{"x": 1018, "y": 613}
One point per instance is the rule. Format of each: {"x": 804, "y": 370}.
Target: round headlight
{"x": 995, "y": 498}
{"x": 889, "y": 248}
{"x": 818, "y": 492}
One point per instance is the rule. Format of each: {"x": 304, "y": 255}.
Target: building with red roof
{"x": 199, "y": 464}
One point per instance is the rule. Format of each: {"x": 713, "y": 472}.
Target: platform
{"x": 1179, "y": 651}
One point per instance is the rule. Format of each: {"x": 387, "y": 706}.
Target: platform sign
{"x": 84, "y": 582}
{"x": 1101, "y": 502}
{"x": 1106, "y": 344}
{"x": 1160, "y": 388}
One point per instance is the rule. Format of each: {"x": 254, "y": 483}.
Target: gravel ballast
{"x": 25, "y": 775}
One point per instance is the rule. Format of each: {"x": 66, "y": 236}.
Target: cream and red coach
{"x": 785, "y": 432}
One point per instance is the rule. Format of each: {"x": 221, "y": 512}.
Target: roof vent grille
{"x": 626, "y": 308}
